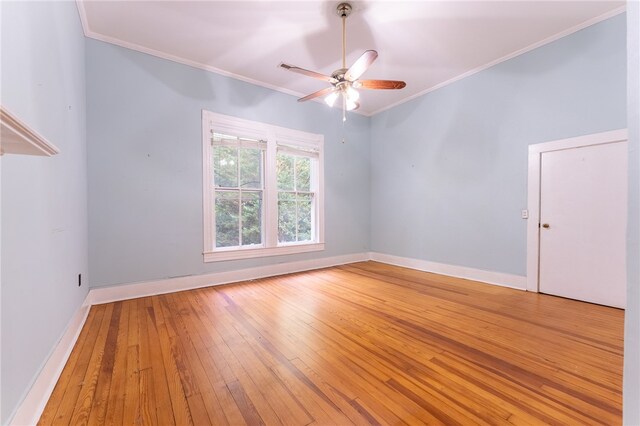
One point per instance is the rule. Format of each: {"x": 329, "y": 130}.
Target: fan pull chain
{"x": 344, "y": 118}
{"x": 344, "y": 109}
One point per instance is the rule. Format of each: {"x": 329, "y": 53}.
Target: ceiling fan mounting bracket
{"x": 344, "y": 10}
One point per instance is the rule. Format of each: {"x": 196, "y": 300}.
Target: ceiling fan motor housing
{"x": 339, "y": 74}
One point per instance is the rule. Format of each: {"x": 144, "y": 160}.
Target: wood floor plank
{"x": 65, "y": 409}
{"x": 364, "y": 343}
{"x": 180, "y": 408}
{"x": 245, "y": 385}
{"x": 83, "y": 405}
{"x": 193, "y": 362}
{"x": 115, "y": 403}
{"x": 164, "y": 408}
{"x": 289, "y": 375}
{"x": 220, "y": 404}
{"x": 103, "y": 388}
{"x": 330, "y": 387}
{"x": 72, "y": 365}
{"x": 132, "y": 386}
{"x": 148, "y": 411}
{"x": 216, "y": 368}
{"x": 84, "y": 402}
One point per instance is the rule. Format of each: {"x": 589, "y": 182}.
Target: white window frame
{"x": 274, "y": 135}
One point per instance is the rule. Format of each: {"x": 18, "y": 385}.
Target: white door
{"x": 583, "y": 217}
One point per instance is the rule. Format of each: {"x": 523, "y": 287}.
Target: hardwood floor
{"x": 364, "y": 343}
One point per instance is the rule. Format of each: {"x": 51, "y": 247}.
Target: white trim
{"x": 249, "y": 253}
{"x": 533, "y": 190}
{"x": 183, "y": 61}
{"x": 271, "y": 197}
{"x": 18, "y": 138}
{"x": 150, "y": 288}
{"x": 33, "y": 404}
{"x": 83, "y": 17}
{"x": 109, "y": 294}
{"x": 169, "y": 57}
{"x": 272, "y": 135}
{"x": 489, "y": 277}
{"x": 207, "y": 199}
{"x": 511, "y": 55}
{"x": 580, "y": 141}
{"x": 319, "y": 204}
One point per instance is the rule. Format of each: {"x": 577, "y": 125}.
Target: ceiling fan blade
{"x": 380, "y": 84}
{"x": 323, "y": 92}
{"x": 308, "y": 73}
{"x": 361, "y": 65}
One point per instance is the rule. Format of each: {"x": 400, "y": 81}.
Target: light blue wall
{"x": 44, "y": 202}
{"x": 449, "y": 169}
{"x": 632, "y": 314}
{"x": 145, "y": 164}
{"x": 457, "y": 157}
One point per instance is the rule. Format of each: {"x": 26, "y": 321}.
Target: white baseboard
{"x": 32, "y": 406}
{"x": 489, "y": 277}
{"x": 149, "y": 288}
{"x": 29, "y": 412}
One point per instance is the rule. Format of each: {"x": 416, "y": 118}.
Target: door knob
{"x": 546, "y": 225}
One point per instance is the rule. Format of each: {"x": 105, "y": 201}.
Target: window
{"x": 238, "y": 190}
{"x": 296, "y": 198}
{"x": 262, "y": 189}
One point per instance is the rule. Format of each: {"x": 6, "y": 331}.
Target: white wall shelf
{"x": 18, "y": 138}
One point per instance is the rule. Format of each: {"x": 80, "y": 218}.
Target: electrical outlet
{"x": 79, "y": 280}
{"x": 525, "y": 214}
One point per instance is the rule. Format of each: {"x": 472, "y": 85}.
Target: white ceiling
{"x": 425, "y": 43}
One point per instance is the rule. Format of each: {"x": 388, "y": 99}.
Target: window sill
{"x": 249, "y": 253}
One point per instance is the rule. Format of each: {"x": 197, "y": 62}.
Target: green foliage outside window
{"x": 295, "y": 201}
{"x": 238, "y": 195}
{"x": 238, "y": 182}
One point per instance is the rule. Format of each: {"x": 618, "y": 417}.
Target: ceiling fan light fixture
{"x": 331, "y": 98}
{"x": 352, "y": 93}
{"x": 350, "y": 104}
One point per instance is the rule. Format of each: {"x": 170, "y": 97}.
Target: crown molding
{"x": 561, "y": 34}
{"x": 132, "y": 46}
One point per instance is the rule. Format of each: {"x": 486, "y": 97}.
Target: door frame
{"x": 533, "y": 191}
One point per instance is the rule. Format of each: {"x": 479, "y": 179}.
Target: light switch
{"x": 525, "y": 214}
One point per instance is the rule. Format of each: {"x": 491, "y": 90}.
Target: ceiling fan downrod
{"x": 344, "y": 10}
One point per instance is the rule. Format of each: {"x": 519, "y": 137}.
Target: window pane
{"x": 286, "y": 218}
{"x": 250, "y": 168}
{"x": 305, "y": 202}
{"x": 251, "y": 218}
{"x": 225, "y": 169}
{"x": 303, "y": 174}
{"x": 227, "y": 223}
{"x": 284, "y": 171}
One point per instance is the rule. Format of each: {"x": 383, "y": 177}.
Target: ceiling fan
{"x": 345, "y": 81}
